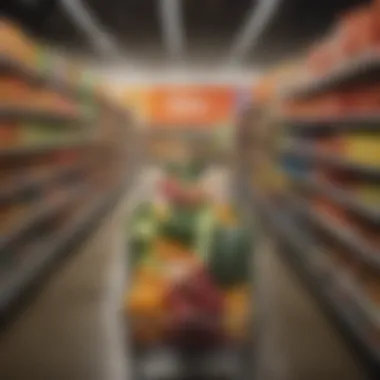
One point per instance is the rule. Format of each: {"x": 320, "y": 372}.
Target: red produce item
{"x": 204, "y": 292}
{"x": 195, "y": 307}
{"x": 189, "y": 326}
{"x": 170, "y": 187}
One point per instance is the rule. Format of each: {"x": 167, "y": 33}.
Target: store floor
{"x": 297, "y": 341}
{"x": 74, "y": 328}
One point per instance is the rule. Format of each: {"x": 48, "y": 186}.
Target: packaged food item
{"x": 12, "y": 216}
{"x": 9, "y": 134}
{"x": 320, "y": 59}
{"x": 15, "y": 91}
{"x": 325, "y": 207}
{"x": 369, "y": 281}
{"x": 367, "y": 194}
{"x": 366, "y": 231}
{"x": 362, "y": 149}
{"x": 329, "y": 146}
{"x": 15, "y": 44}
{"x": 359, "y": 32}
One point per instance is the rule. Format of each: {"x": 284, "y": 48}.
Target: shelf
{"x": 43, "y": 148}
{"x": 53, "y": 248}
{"x": 38, "y": 214}
{"x": 360, "y": 69}
{"x": 22, "y": 113}
{"x": 8, "y": 64}
{"x": 356, "y": 246}
{"x": 340, "y": 197}
{"x": 336, "y": 292}
{"x": 351, "y": 123}
{"x": 309, "y": 153}
{"x": 22, "y": 187}
{"x": 32, "y": 75}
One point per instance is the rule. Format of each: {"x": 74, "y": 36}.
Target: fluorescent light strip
{"x": 172, "y": 26}
{"x": 82, "y": 17}
{"x": 257, "y": 20}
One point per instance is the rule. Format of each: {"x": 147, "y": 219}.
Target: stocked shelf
{"x": 369, "y": 122}
{"x": 22, "y": 186}
{"x": 309, "y": 153}
{"x": 34, "y": 76}
{"x": 62, "y": 142}
{"x": 335, "y": 290}
{"x": 356, "y": 246}
{"x": 53, "y": 247}
{"x": 32, "y": 114}
{"x": 38, "y": 213}
{"x": 34, "y": 149}
{"x": 363, "y": 68}
{"x": 340, "y": 197}
{"x": 10, "y": 65}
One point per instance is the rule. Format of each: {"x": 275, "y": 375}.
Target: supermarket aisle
{"x": 73, "y": 329}
{"x": 296, "y": 340}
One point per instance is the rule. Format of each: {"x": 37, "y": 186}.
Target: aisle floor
{"x": 297, "y": 340}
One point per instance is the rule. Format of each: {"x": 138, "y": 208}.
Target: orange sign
{"x": 190, "y": 105}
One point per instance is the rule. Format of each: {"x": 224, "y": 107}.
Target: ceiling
{"x": 209, "y": 29}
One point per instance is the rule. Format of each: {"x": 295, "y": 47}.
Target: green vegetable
{"x": 142, "y": 232}
{"x": 181, "y": 225}
{"x": 186, "y": 171}
{"x": 229, "y": 255}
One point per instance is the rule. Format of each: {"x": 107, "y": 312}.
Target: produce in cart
{"x": 191, "y": 267}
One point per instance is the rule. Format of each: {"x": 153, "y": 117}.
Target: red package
{"x": 321, "y": 59}
{"x": 359, "y": 31}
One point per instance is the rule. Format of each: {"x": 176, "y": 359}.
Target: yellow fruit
{"x": 146, "y": 299}
{"x": 161, "y": 210}
{"x": 237, "y": 305}
{"x": 225, "y": 214}
{"x": 170, "y": 249}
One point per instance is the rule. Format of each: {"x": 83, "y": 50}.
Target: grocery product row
{"x": 66, "y": 157}
{"x": 347, "y": 52}
{"x": 314, "y": 155}
{"x": 189, "y": 302}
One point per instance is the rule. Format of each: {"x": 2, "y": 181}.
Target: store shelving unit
{"x": 37, "y": 77}
{"x": 53, "y": 247}
{"x": 340, "y": 197}
{"x": 333, "y": 124}
{"x": 309, "y": 153}
{"x": 303, "y": 233}
{"x": 23, "y": 186}
{"x": 67, "y": 186}
{"x": 359, "y": 69}
{"x": 335, "y": 291}
{"x": 31, "y": 114}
